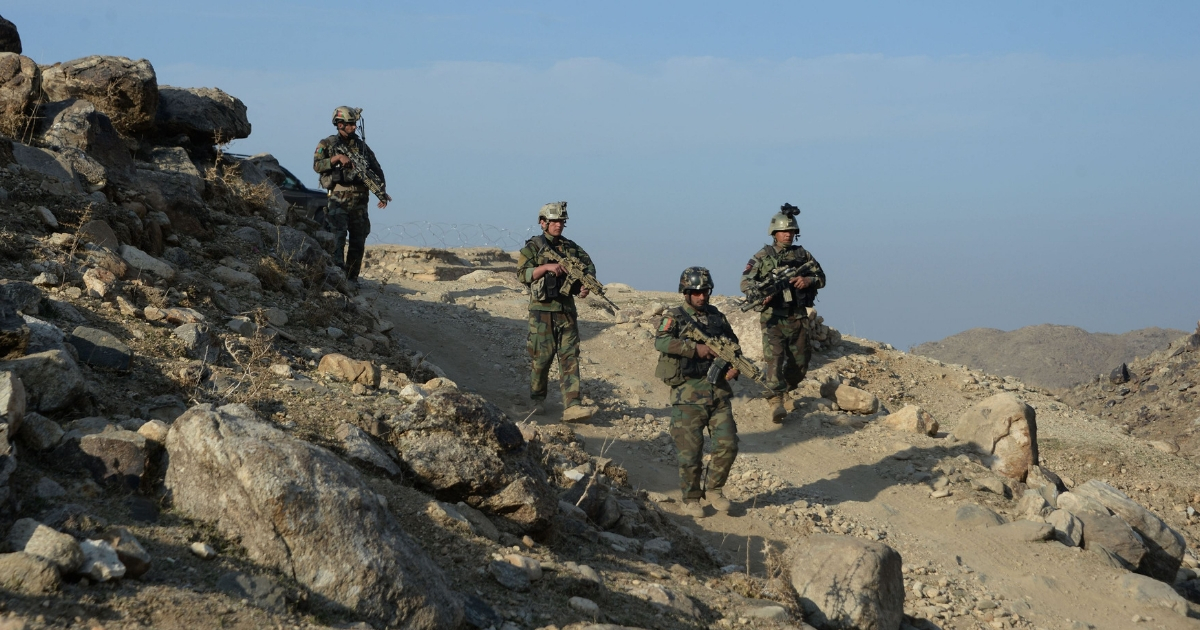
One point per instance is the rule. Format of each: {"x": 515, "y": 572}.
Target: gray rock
{"x": 203, "y": 114}
{"x": 990, "y": 483}
{"x": 198, "y": 342}
{"x": 20, "y": 80}
{"x": 656, "y": 548}
{"x": 510, "y": 577}
{"x": 1068, "y": 529}
{"x": 1006, "y": 429}
{"x": 260, "y": 591}
{"x": 1112, "y": 535}
{"x": 249, "y": 235}
{"x": 48, "y": 488}
{"x": 610, "y": 513}
{"x": 144, "y": 262}
{"x": 1164, "y": 543}
{"x": 100, "y": 349}
{"x": 52, "y": 380}
{"x": 661, "y": 595}
{"x": 14, "y": 332}
{"x": 297, "y": 508}
{"x": 1024, "y": 531}
{"x": 76, "y": 124}
{"x": 977, "y": 516}
{"x": 36, "y": 539}
{"x": 129, "y": 551}
{"x": 1120, "y": 374}
{"x": 49, "y": 164}
{"x": 584, "y": 606}
{"x": 847, "y": 582}
{"x": 478, "y": 614}
{"x": 100, "y": 561}
{"x": 447, "y": 516}
{"x": 12, "y": 403}
{"x": 124, "y": 89}
{"x": 1076, "y": 503}
{"x": 359, "y": 446}
{"x": 43, "y": 336}
{"x": 765, "y": 609}
{"x": 235, "y": 278}
{"x": 480, "y": 523}
{"x": 177, "y": 256}
{"x": 24, "y": 296}
{"x": 28, "y": 575}
{"x": 99, "y": 233}
{"x": 48, "y": 219}
{"x": 291, "y": 244}
{"x": 1150, "y": 591}
{"x": 10, "y": 39}
{"x": 854, "y": 400}
{"x": 115, "y": 457}
{"x": 1033, "y": 505}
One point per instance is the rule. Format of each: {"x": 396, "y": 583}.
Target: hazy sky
{"x": 957, "y": 165}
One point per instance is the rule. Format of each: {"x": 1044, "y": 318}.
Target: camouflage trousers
{"x": 687, "y": 428}
{"x": 553, "y": 334}
{"x": 785, "y": 351}
{"x": 347, "y": 213}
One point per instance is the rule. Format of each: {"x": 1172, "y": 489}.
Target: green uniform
{"x": 695, "y": 402}
{"x": 348, "y": 197}
{"x": 552, "y": 317}
{"x": 785, "y": 349}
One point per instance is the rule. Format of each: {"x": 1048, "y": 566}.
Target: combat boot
{"x": 716, "y": 498}
{"x": 692, "y": 508}
{"x": 578, "y": 413}
{"x": 536, "y": 408}
{"x": 777, "y": 410}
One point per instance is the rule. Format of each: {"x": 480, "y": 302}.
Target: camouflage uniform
{"x": 348, "y": 197}
{"x": 552, "y": 318}
{"x": 696, "y": 403}
{"x": 785, "y": 349}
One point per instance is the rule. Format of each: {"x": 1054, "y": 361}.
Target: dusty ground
{"x": 822, "y": 470}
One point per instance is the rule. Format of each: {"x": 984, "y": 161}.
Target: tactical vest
{"x": 340, "y": 178}
{"x": 676, "y": 370}
{"x": 549, "y": 286}
{"x": 800, "y": 297}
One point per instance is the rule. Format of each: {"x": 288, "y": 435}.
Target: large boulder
{"x": 28, "y": 574}
{"x": 100, "y": 349}
{"x": 20, "y": 87}
{"x": 297, "y": 508}
{"x": 124, "y": 89}
{"x": 846, "y": 582}
{"x": 51, "y": 165}
{"x": 911, "y": 419}
{"x": 115, "y": 457}
{"x": 462, "y": 448}
{"x": 291, "y": 244}
{"x": 1110, "y": 535}
{"x": 52, "y": 379}
{"x": 176, "y": 160}
{"x": 203, "y": 114}
{"x": 10, "y": 39}
{"x": 75, "y": 123}
{"x": 1165, "y": 544}
{"x": 1005, "y": 428}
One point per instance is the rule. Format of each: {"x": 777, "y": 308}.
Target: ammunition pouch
{"x": 545, "y": 288}
{"x": 669, "y": 370}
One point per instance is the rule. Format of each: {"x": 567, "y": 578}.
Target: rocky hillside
{"x": 1153, "y": 398}
{"x": 1046, "y": 355}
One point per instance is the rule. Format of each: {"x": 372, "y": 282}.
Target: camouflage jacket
{"x": 772, "y": 256}
{"x": 342, "y": 179}
{"x": 677, "y": 363}
{"x": 547, "y": 293}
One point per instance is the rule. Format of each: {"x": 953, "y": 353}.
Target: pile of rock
{"x": 432, "y": 264}
{"x": 43, "y": 555}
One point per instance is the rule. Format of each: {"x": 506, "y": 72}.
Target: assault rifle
{"x": 577, "y": 272}
{"x": 778, "y": 280}
{"x": 359, "y": 161}
{"x": 729, "y": 354}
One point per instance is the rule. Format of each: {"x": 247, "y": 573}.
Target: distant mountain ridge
{"x": 1047, "y": 355}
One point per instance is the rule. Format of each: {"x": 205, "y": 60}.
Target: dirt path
{"x": 818, "y": 460}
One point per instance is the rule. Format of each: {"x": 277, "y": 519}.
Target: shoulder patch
{"x": 667, "y": 324}
{"x": 749, "y": 266}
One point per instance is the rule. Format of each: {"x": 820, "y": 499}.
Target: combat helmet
{"x": 347, "y": 114}
{"x": 695, "y": 279}
{"x": 553, "y": 211}
{"x": 785, "y": 220}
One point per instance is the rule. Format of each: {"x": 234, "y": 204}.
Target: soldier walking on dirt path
{"x": 696, "y": 402}
{"x": 553, "y": 330}
{"x": 348, "y": 193}
{"x": 786, "y": 351}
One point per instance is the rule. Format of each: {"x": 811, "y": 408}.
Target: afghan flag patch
{"x": 667, "y": 324}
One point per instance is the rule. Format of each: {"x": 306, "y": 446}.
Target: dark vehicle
{"x": 304, "y": 202}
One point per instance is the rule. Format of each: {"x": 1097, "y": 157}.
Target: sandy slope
{"x": 818, "y": 461}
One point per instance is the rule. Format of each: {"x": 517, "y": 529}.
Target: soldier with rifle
{"x": 699, "y": 374}
{"x": 781, "y": 280}
{"x": 555, "y": 269}
{"x": 349, "y": 171}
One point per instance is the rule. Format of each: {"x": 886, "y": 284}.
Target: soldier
{"x": 785, "y": 350}
{"x": 695, "y": 402}
{"x": 552, "y": 316}
{"x": 348, "y": 194}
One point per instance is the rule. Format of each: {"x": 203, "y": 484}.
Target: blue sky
{"x": 958, "y": 165}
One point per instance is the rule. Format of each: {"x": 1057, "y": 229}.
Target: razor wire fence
{"x": 447, "y": 235}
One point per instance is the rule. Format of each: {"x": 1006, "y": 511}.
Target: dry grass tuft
{"x": 271, "y": 273}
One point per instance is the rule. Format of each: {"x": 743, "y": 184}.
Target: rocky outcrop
{"x": 462, "y": 447}
{"x": 20, "y": 87}
{"x": 124, "y": 89}
{"x": 299, "y": 509}
{"x": 846, "y": 582}
{"x": 76, "y": 124}
{"x": 202, "y": 114}
{"x": 10, "y": 39}
{"x": 1005, "y": 428}
{"x": 53, "y": 380}
{"x": 1165, "y": 545}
